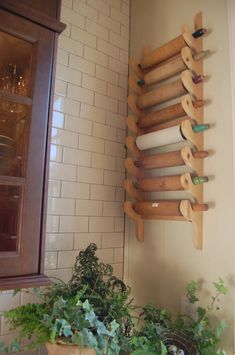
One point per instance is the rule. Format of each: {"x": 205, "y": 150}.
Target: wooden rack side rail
{"x": 133, "y": 170}
{"x": 131, "y": 100}
{"x": 196, "y": 218}
{"x": 132, "y": 147}
{"x": 135, "y": 68}
{"x": 137, "y": 90}
{"x": 132, "y": 190}
{"x": 139, "y": 223}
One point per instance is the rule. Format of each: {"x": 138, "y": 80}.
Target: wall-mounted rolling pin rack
{"x": 173, "y": 71}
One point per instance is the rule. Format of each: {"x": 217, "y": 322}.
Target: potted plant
{"x": 162, "y": 334}
{"x": 91, "y": 311}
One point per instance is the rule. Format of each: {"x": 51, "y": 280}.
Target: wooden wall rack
{"x": 180, "y": 60}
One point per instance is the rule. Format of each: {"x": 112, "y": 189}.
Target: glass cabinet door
{"x": 15, "y": 117}
{"x": 25, "y": 68}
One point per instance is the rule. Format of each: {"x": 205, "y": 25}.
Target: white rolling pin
{"x": 159, "y": 138}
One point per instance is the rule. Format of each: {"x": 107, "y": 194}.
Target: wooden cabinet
{"x": 28, "y": 40}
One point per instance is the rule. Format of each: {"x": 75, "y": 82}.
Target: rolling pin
{"x": 167, "y": 124}
{"x": 163, "y": 72}
{"x": 167, "y": 50}
{"x": 165, "y": 114}
{"x": 166, "y": 160}
{"x": 164, "y": 93}
{"x": 186, "y": 83}
{"x": 168, "y": 69}
{"x": 171, "y": 135}
{"x": 166, "y": 183}
{"x": 164, "y": 208}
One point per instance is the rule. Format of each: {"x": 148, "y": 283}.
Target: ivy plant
{"x": 69, "y": 321}
{"x": 159, "y": 328}
{"x": 92, "y": 309}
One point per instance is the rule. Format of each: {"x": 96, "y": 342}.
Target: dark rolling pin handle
{"x": 199, "y": 33}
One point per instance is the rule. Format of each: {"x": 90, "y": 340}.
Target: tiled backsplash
{"x": 87, "y": 150}
{"x": 86, "y": 175}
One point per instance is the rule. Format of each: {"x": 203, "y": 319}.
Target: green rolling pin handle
{"x": 199, "y": 33}
{"x": 200, "y": 128}
{"x": 197, "y": 180}
{"x": 141, "y": 83}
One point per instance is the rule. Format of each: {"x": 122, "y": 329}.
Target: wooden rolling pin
{"x": 168, "y": 69}
{"x": 167, "y": 124}
{"x": 164, "y": 93}
{"x": 163, "y": 72}
{"x": 164, "y": 208}
{"x": 166, "y": 160}
{"x": 166, "y": 183}
{"x": 165, "y": 114}
{"x": 166, "y": 51}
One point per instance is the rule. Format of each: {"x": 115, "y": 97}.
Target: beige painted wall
{"x": 159, "y": 268}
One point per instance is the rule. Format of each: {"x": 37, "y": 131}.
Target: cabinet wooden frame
{"x": 25, "y": 267}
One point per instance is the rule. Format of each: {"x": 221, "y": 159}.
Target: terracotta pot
{"x": 61, "y": 349}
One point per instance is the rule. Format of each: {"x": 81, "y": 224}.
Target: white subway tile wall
{"x": 87, "y": 150}
{"x": 89, "y": 124}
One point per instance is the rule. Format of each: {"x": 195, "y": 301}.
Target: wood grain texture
{"x": 160, "y": 183}
{"x": 162, "y": 94}
{"x": 162, "y": 53}
{"x": 162, "y": 160}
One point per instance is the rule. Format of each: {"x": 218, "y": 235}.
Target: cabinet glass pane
{"x": 15, "y": 106}
{"x": 14, "y": 135}
{"x": 9, "y": 214}
{"x": 15, "y": 64}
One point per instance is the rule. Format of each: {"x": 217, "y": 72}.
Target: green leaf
{"x": 89, "y": 338}
{"x": 163, "y": 349}
{"x": 221, "y": 328}
{"x": 114, "y": 327}
{"x": 67, "y": 332}
{"x": 191, "y": 290}
{"x": 3, "y": 348}
{"x": 101, "y": 329}
{"x": 86, "y": 306}
{"x": 77, "y": 339}
{"x": 221, "y": 352}
{"x": 15, "y": 346}
{"x": 220, "y": 287}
